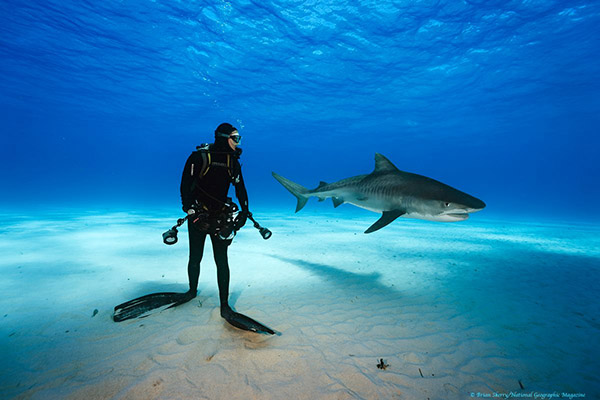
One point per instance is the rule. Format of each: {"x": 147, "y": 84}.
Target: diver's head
{"x": 227, "y": 134}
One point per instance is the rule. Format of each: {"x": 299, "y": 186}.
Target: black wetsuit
{"x": 209, "y": 192}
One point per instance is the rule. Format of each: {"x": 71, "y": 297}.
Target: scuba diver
{"x": 205, "y": 182}
{"x": 208, "y": 173}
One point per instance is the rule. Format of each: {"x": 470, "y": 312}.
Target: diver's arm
{"x": 187, "y": 179}
{"x": 240, "y": 191}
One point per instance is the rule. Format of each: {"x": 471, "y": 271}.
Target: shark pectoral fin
{"x": 386, "y": 219}
{"x": 337, "y": 201}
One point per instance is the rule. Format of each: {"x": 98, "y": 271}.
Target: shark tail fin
{"x": 297, "y": 190}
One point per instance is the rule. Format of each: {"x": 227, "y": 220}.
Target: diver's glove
{"x": 240, "y": 220}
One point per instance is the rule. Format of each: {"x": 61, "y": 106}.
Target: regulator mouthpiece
{"x": 170, "y": 236}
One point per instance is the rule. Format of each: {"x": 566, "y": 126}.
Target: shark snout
{"x": 475, "y": 206}
{"x": 462, "y": 211}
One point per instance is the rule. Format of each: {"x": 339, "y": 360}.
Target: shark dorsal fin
{"x": 321, "y": 184}
{"x": 382, "y": 164}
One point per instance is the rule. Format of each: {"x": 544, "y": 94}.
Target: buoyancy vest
{"x": 207, "y": 162}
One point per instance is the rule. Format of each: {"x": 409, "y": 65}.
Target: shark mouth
{"x": 460, "y": 214}
{"x": 455, "y": 216}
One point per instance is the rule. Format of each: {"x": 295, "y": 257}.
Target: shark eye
{"x": 447, "y": 204}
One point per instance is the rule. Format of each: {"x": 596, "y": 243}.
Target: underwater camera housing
{"x": 222, "y": 224}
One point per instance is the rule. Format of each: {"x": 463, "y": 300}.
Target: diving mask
{"x": 236, "y": 138}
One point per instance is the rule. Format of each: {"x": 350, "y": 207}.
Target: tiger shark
{"x": 393, "y": 193}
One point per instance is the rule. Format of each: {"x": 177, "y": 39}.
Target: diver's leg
{"x": 220, "y": 252}
{"x": 197, "y": 239}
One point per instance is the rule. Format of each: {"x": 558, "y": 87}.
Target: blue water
{"x": 102, "y": 102}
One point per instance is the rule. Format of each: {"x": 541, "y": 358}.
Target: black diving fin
{"x": 142, "y": 305}
{"x": 244, "y": 322}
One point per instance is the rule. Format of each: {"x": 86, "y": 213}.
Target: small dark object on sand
{"x": 520, "y": 384}
{"x": 94, "y": 313}
{"x": 421, "y": 373}
{"x": 382, "y": 364}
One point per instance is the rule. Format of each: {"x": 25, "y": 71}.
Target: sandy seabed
{"x": 475, "y": 309}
